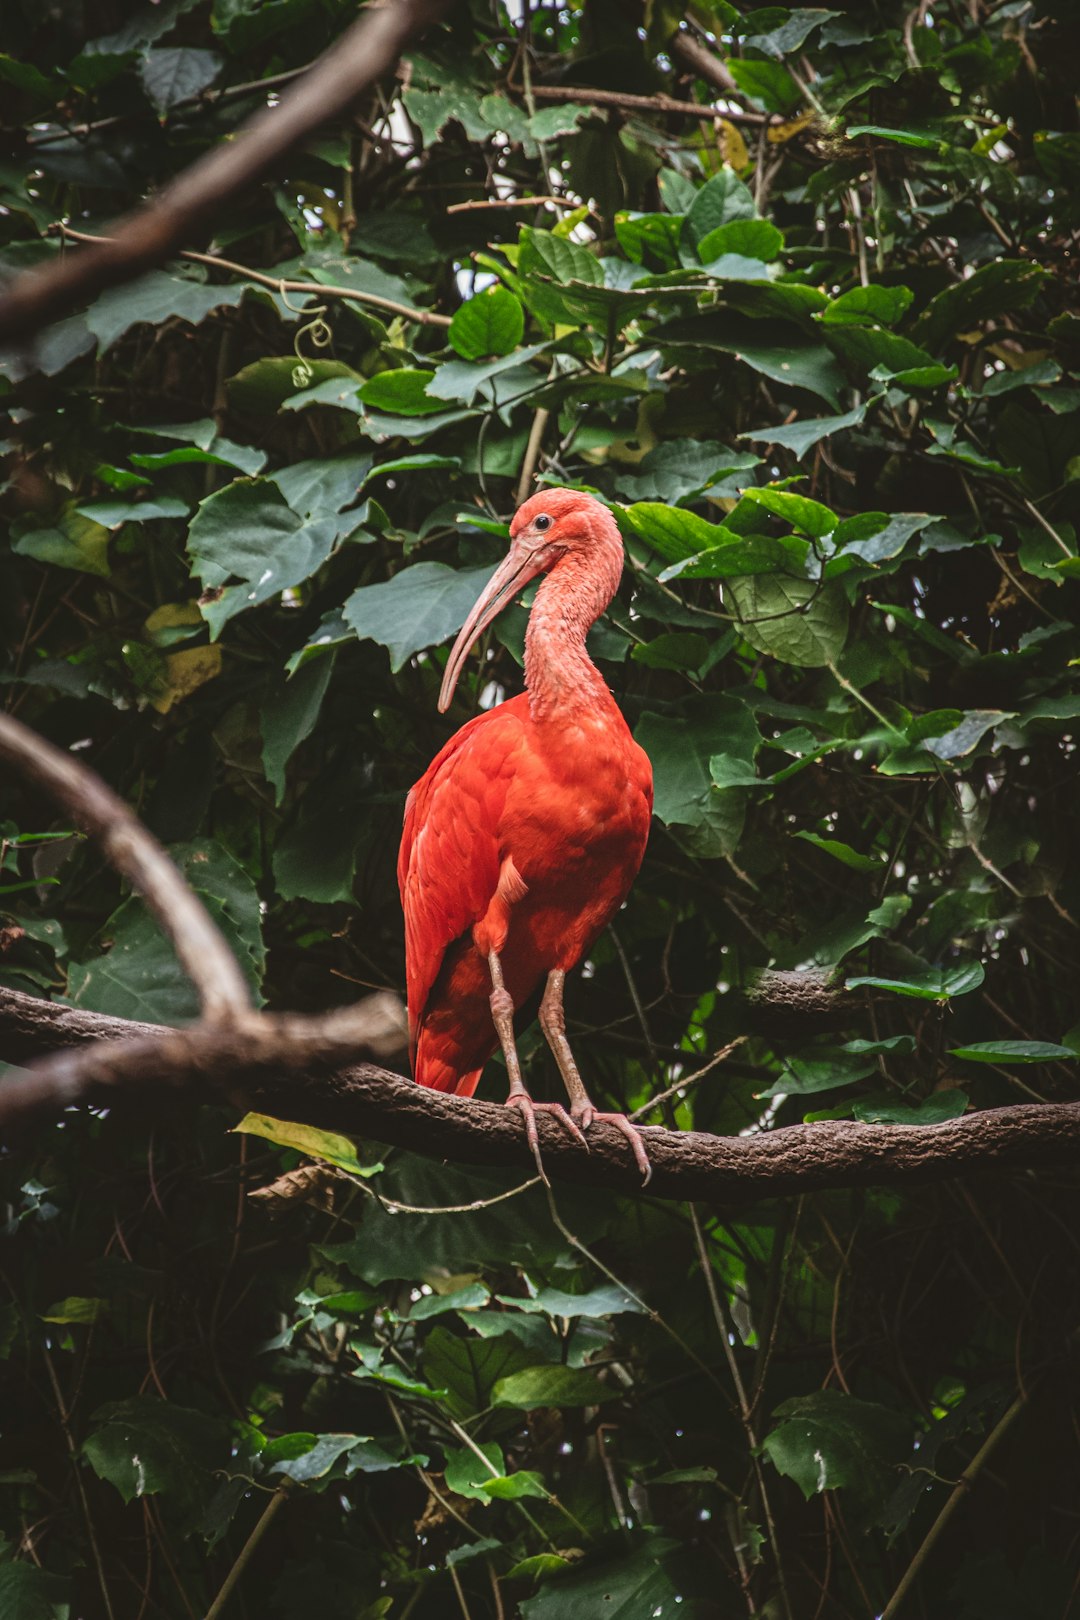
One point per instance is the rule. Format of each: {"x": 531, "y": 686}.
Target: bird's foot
{"x": 528, "y": 1109}
{"x": 584, "y": 1117}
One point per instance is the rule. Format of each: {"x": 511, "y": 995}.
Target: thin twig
{"x": 578, "y": 95}
{"x": 963, "y": 1486}
{"x": 682, "y": 1086}
{"x": 425, "y": 317}
{"x": 244, "y": 1557}
{"x": 510, "y": 202}
{"x": 541, "y": 417}
{"x": 69, "y": 1439}
{"x": 726, "y": 1331}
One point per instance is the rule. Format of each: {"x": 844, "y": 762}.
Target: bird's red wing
{"x": 448, "y": 867}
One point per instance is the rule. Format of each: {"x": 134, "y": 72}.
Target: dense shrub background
{"x": 821, "y": 359}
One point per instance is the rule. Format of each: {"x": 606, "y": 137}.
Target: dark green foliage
{"x": 831, "y": 388}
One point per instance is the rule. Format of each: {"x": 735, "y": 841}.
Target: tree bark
{"x": 368, "y": 1101}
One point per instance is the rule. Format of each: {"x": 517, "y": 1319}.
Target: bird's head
{"x": 551, "y": 525}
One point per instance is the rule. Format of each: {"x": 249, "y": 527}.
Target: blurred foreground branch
{"x": 184, "y": 208}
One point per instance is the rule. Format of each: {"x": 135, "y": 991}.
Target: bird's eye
{"x": 542, "y": 522}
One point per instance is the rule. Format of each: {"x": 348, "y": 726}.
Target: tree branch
{"x": 371, "y": 1102}
{"x": 137, "y": 856}
{"x": 624, "y": 102}
{"x": 187, "y": 205}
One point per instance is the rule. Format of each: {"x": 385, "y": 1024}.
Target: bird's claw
{"x": 528, "y": 1108}
{"x": 585, "y": 1118}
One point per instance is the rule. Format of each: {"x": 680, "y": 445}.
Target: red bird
{"x": 524, "y": 834}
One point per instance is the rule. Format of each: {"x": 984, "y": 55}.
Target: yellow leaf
{"x": 732, "y": 146}
{"x": 188, "y": 667}
{"x": 779, "y": 133}
{"x": 306, "y": 1139}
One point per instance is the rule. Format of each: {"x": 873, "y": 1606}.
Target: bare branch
{"x": 370, "y": 1102}
{"x": 137, "y": 856}
{"x": 186, "y": 206}
{"x": 578, "y": 95}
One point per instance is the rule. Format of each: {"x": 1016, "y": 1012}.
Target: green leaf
{"x": 843, "y": 853}
{"x": 551, "y": 1386}
{"x": 598, "y": 1302}
{"x": 470, "y": 1369}
{"x": 797, "y": 621}
{"x": 491, "y": 323}
{"x": 876, "y": 537}
{"x": 632, "y": 1586}
{"x": 678, "y": 468}
{"x": 821, "y": 1071}
{"x": 248, "y": 531}
{"x": 791, "y": 35}
{"x": 936, "y": 984}
{"x": 674, "y": 532}
{"x": 471, "y": 1549}
{"x": 774, "y": 348}
{"x": 963, "y": 738}
{"x": 138, "y": 976}
{"x": 470, "y": 1298}
{"x": 512, "y": 1487}
{"x": 307, "y": 1139}
{"x": 809, "y": 516}
{"x": 720, "y": 201}
{"x": 767, "y": 84}
{"x": 318, "y": 488}
{"x": 420, "y": 607}
{"x": 680, "y": 650}
{"x": 537, "y": 1568}
{"x": 172, "y": 75}
{"x": 993, "y": 289}
{"x": 154, "y": 298}
{"x": 750, "y": 238}
{"x": 902, "y": 137}
{"x": 799, "y": 437}
{"x": 402, "y": 393}
{"x": 306, "y": 1458}
{"x": 681, "y": 747}
{"x": 467, "y": 1475}
{"x": 281, "y": 382}
{"x": 949, "y": 1103}
{"x": 545, "y": 253}
{"x": 146, "y": 1446}
{"x": 867, "y": 306}
{"x": 30, "y": 1593}
{"x": 1014, "y": 1052}
{"x": 76, "y": 542}
{"x": 829, "y": 1440}
{"x": 76, "y": 1309}
{"x": 290, "y": 716}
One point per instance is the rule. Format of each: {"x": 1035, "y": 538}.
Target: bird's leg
{"x": 582, "y": 1111}
{"x": 502, "y": 1014}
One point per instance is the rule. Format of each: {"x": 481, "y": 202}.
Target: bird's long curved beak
{"x": 522, "y": 562}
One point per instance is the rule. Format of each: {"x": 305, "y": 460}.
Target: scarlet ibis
{"x": 525, "y": 832}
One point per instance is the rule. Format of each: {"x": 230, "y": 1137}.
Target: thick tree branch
{"x": 183, "y": 210}
{"x": 370, "y": 1102}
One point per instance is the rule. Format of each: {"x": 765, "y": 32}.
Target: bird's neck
{"x": 559, "y": 674}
